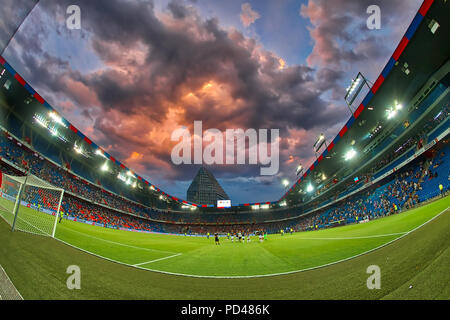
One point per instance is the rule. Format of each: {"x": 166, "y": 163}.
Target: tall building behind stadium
{"x": 205, "y": 189}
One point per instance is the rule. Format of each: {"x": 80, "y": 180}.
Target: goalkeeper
{"x": 61, "y": 215}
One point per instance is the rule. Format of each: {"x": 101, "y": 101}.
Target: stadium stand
{"x": 85, "y": 201}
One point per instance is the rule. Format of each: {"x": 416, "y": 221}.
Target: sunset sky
{"x": 138, "y": 70}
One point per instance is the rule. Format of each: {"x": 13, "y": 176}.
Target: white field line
{"x": 151, "y": 261}
{"x": 362, "y": 237}
{"x": 121, "y": 244}
{"x": 262, "y": 275}
{"x": 12, "y": 284}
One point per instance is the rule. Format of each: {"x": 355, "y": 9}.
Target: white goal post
{"x": 30, "y": 204}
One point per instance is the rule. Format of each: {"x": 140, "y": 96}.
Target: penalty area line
{"x": 151, "y": 261}
{"x": 118, "y": 243}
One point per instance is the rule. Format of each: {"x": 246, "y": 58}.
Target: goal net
{"x": 30, "y": 204}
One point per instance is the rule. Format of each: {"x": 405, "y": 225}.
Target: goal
{"x": 30, "y": 204}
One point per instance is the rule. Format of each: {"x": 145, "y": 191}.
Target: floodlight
{"x": 54, "y": 116}
{"x": 299, "y": 169}
{"x": 350, "y": 154}
{"x": 104, "y": 167}
{"x": 309, "y": 188}
{"x": 77, "y": 149}
{"x": 391, "y": 113}
{"x": 285, "y": 182}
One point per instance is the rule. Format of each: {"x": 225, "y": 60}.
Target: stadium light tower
{"x": 354, "y": 89}
{"x": 299, "y": 169}
{"x": 321, "y": 140}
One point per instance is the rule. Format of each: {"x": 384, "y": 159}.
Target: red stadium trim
{"x": 401, "y": 46}
{"x": 71, "y": 127}
{"x": 377, "y": 84}
{"x": 330, "y": 146}
{"x": 87, "y": 140}
{"x": 358, "y": 111}
{"x": 320, "y": 158}
{"x": 20, "y": 79}
{"x": 342, "y": 132}
{"x": 425, "y": 7}
{"x": 2, "y": 60}
{"x": 39, "y": 98}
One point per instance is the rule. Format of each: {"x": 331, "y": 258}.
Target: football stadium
{"x": 375, "y": 197}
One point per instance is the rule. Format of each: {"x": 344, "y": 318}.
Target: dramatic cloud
{"x": 248, "y": 15}
{"x": 342, "y": 41}
{"x": 13, "y": 13}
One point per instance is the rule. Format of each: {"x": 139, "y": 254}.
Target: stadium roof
{"x": 424, "y": 53}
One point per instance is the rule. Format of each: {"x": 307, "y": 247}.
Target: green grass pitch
{"x": 333, "y": 261}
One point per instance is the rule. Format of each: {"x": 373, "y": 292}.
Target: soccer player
{"x": 232, "y": 237}
{"x": 248, "y": 237}
{"x": 441, "y": 189}
{"x": 207, "y": 235}
{"x": 61, "y": 214}
{"x": 216, "y": 238}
